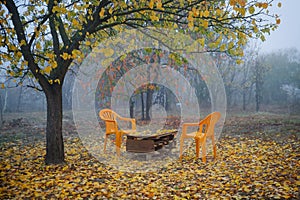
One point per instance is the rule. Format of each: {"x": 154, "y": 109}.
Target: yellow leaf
{"x": 7, "y": 167}
{"x": 190, "y": 25}
{"x": 279, "y": 5}
{"x": 255, "y": 29}
{"x": 101, "y": 14}
{"x": 278, "y": 21}
{"x": 251, "y": 10}
{"x": 12, "y": 47}
{"x": 88, "y": 43}
{"x": 195, "y": 12}
{"x": 202, "y": 41}
{"x": 218, "y": 12}
{"x": 205, "y": 23}
{"x": 242, "y": 2}
{"x": 246, "y": 189}
{"x": 190, "y": 16}
{"x": 57, "y": 81}
{"x": 206, "y": 13}
{"x": 55, "y": 9}
{"x": 232, "y": 2}
{"x": 18, "y": 158}
{"x": 151, "y": 4}
{"x": 2, "y": 85}
{"x": 11, "y": 73}
{"x": 54, "y": 64}
{"x": 239, "y": 61}
{"x": 108, "y": 52}
{"x": 265, "y": 5}
{"x": 75, "y": 22}
{"x": 75, "y": 53}
{"x": 181, "y": 3}
{"x": 110, "y": 11}
{"x": 47, "y": 69}
{"x": 159, "y": 5}
{"x": 65, "y": 56}
{"x": 23, "y": 42}
{"x": 19, "y": 54}
{"x": 242, "y": 11}
{"x": 154, "y": 17}
{"x": 222, "y": 47}
{"x": 38, "y": 45}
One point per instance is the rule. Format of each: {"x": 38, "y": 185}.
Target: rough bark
{"x": 258, "y": 85}
{"x": 148, "y": 103}
{"x": 1, "y": 110}
{"x": 54, "y": 138}
{"x": 131, "y": 107}
{"x": 143, "y": 106}
{"x": 244, "y": 99}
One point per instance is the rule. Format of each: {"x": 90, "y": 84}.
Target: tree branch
{"x": 53, "y": 29}
{"x": 45, "y": 18}
{"x": 25, "y": 48}
{"x": 62, "y": 31}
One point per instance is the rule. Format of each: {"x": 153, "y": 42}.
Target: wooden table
{"x": 145, "y": 144}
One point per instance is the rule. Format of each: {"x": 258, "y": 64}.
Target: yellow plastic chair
{"x": 111, "y": 122}
{"x": 206, "y": 130}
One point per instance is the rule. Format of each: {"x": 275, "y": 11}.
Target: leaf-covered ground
{"x": 258, "y": 158}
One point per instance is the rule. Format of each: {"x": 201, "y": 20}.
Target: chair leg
{"x": 181, "y": 148}
{"x": 118, "y": 143}
{"x": 215, "y": 151}
{"x": 214, "y": 148}
{"x": 197, "y": 141}
{"x": 204, "y": 151}
{"x": 105, "y": 141}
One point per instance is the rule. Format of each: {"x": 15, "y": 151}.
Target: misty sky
{"x": 288, "y": 33}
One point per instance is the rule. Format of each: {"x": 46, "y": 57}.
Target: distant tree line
{"x": 271, "y": 79}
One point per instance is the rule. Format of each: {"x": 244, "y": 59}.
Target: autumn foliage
{"x": 253, "y": 163}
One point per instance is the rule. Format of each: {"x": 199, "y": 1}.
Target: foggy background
{"x": 268, "y": 80}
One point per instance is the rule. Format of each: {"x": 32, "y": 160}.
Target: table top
{"x": 158, "y": 134}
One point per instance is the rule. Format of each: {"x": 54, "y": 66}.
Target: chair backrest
{"x": 110, "y": 118}
{"x": 207, "y": 125}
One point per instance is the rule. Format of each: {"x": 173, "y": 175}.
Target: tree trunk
{"x": 148, "y": 103}
{"x": 244, "y": 99}
{"x": 5, "y": 101}
{"x": 143, "y": 107}
{"x": 1, "y": 111}
{"x": 54, "y": 138}
{"x": 167, "y": 101}
{"x": 131, "y": 107}
{"x": 258, "y": 85}
{"x": 257, "y": 100}
{"x": 19, "y": 99}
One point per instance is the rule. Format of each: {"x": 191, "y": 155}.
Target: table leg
{"x": 118, "y": 142}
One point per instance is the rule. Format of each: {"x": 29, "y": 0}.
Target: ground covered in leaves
{"x": 258, "y": 158}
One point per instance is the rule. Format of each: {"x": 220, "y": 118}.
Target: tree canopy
{"x": 42, "y": 38}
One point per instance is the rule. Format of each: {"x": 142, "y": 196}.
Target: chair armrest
{"x": 186, "y": 125}
{"x": 133, "y": 124}
{"x": 190, "y": 124}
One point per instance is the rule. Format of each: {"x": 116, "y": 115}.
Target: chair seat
{"x": 194, "y": 135}
{"x": 111, "y": 122}
{"x": 128, "y": 131}
{"x": 206, "y": 130}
